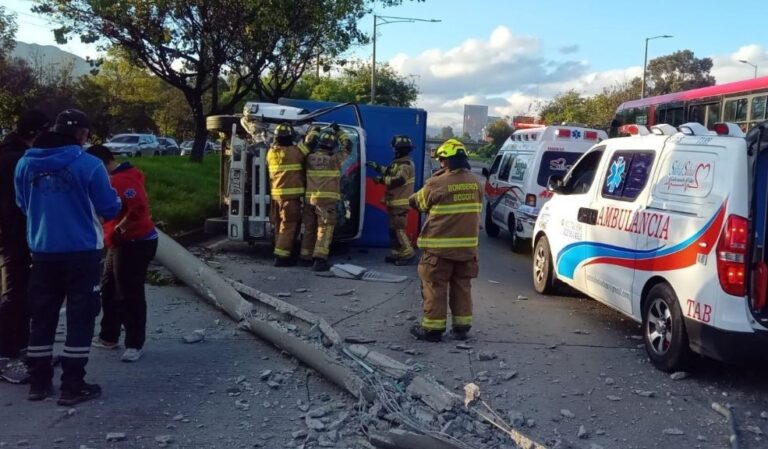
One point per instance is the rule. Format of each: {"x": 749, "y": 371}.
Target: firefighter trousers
{"x": 445, "y": 283}
{"x": 401, "y": 245}
{"x": 286, "y": 219}
{"x": 319, "y": 223}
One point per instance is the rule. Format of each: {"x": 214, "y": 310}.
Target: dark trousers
{"x": 51, "y": 281}
{"x": 14, "y": 315}
{"x": 122, "y": 292}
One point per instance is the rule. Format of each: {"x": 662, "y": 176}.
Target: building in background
{"x": 475, "y": 119}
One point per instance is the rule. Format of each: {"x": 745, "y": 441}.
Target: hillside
{"x": 46, "y": 55}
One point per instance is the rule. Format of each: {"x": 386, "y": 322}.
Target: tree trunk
{"x": 201, "y": 133}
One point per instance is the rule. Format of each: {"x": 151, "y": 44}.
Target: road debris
{"x": 115, "y": 436}
{"x": 195, "y": 336}
{"x": 673, "y": 431}
{"x": 679, "y": 375}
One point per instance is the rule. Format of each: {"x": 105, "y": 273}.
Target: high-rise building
{"x": 475, "y": 119}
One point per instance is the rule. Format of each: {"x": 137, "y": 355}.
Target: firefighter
{"x": 287, "y": 179}
{"x": 323, "y": 193}
{"x": 452, "y": 200}
{"x": 398, "y": 178}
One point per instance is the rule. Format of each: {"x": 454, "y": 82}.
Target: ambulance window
{"x": 555, "y": 163}
{"x": 627, "y": 174}
{"x": 580, "y": 178}
{"x": 519, "y": 167}
{"x": 506, "y": 167}
{"x": 495, "y": 165}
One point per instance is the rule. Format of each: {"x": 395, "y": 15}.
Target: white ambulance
{"x": 515, "y": 187}
{"x": 667, "y": 227}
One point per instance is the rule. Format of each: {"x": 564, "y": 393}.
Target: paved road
{"x": 572, "y": 355}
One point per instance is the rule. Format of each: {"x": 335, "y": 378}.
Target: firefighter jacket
{"x": 286, "y": 171}
{"x": 399, "y": 180}
{"x": 324, "y": 176}
{"x": 452, "y": 200}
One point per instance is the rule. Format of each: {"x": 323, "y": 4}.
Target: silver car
{"x": 134, "y": 145}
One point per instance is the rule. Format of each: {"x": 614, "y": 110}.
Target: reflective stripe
{"x": 284, "y": 167}
{"x": 303, "y": 148}
{"x": 288, "y": 191}
{"x": 47, "y": 353}
{"x": 422, "y": 200}
{"x": 324, "y": 173}
{"x": 75, "y": 355}
{"x": 326, "y": 195}
{"x": 282, "y": 252}
{"x": 410, "y": 181}
{"x": 71, "y": 349}
{"x": 39, "y": 348}
{"x": 401, "y": 202}
{"x": 448, "y": 242}
{"x": 433, "y": 325}
{"x": 462, "y": 320}
{"x": 321, "y": 251}
{"x": 460, "y": 208}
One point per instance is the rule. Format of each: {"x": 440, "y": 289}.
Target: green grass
{"x": 181, "y": 194}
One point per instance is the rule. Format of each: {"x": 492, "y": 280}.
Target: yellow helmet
{"x": 284, "y": 130}
{"x": 450, "y": 148}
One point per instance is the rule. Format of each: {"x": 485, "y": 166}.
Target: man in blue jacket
{"x": 65, "y": 193}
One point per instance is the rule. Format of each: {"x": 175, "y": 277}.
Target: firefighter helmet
{"x": 327, "y": 140}
{"x": 450, "y": 148}
{"x": 284, "y": 130}
{"x": 401, "y": 142}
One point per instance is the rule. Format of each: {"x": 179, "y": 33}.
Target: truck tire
{"x": 664, "y": 334}
{"x": 517, "y": 244}
{"x": 222, "y": 123}
{"x": 490, "y": 227}
{"x": 544, "y": 280}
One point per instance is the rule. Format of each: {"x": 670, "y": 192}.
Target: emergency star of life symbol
{"x": 617, "y": 170}
{"x": 576, "y": 134}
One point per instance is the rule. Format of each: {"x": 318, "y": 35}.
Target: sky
{"x": 513, "y": 56}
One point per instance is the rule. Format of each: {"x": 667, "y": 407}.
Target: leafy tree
{"x": 566, "y": 107}
{"x": 499, "y": 131}
{"x": 679, "y": 71}
{"x": 261, "y": 46}
{"x": 8, "y": 29}
{"x": 600, "y": 109}
{"x": 446, "y": 132}
{"x": 18, "y": 89}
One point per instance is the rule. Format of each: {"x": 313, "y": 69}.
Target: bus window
{"x": 713, "y": 114}
{"x": 758, "y": 108}
{"x": 696, "y": 114}
{"x": 736, "y": 110}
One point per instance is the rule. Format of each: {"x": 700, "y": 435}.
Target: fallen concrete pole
{"x": 399, "y": 439}
{"x": 211, "y": 286}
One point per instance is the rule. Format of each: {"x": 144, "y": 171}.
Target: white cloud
{"x": 511, "y": 75}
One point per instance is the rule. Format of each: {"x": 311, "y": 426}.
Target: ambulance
{"x": 515, "y": 187}
{"x": 668, "y": 227}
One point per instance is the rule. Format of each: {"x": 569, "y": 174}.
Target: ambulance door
{"x": 568, "y": 218}
{"x": 498, "y": 184}
{"x": 351, "y": 207}
{"x": 617, "y": 230}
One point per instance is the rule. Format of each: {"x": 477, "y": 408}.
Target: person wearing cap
{"x": 14, "y": 252}
{"x": 285, "y": 162}
{"x": 452, "y": 199}
{"x": 64, "y": 192}
{"x": 398, "y": 179}
{"x": 131, "y": 242}
{"x": 322, "y": 194}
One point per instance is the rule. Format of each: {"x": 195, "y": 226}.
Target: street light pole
{"x": 385, "y": 20}
{"x": 744, "y": 61}
{"x": 645, "y": 61}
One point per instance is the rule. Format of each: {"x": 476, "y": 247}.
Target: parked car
{"x": 210, "y": 147}
{"x": 168, "y": 146}
{"x": 134, "y": 145}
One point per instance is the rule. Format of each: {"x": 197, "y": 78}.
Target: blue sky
{"x": 513, "y": 56}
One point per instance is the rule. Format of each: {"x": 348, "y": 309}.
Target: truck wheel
{"x": 666, "y": 340}
{"x": 222, "y": 123}
{"x": 544, "y": 281}
{"x": 490, "y": 227}
{"x": 517, "y": 244}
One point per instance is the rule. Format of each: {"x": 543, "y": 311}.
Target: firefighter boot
{"x": 303, "y": 262}
{"x": 321, "y": 265}
{"x": 426, "y": 335}
{"x": 460, "y": 332}
{"x": 284, "y": 262}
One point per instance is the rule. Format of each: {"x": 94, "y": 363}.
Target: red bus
{"x": 742, "y": 102}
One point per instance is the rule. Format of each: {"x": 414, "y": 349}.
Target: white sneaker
{"x": 132, "y": 355}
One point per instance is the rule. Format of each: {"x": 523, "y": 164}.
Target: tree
{"x": 566, "y": 107}
{"x": 8, "y": 29}
{"x": 677, "y": 72}
{"x": 260, "y": 46}
{"x": 353, "y": 85}
{"x": 499, "y": 131}
{"x": 600, "y": 109}
{"x": 446, "y": 132}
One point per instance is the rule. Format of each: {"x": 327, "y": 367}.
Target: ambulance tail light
{"x": 732, "y": 255}
{"x": 530, "y": 200}
{"x": 721, "y": 129}
{"x": 728, "y": 129}
{"x": 564, "y": 133}
{"x": 590, "y": 135}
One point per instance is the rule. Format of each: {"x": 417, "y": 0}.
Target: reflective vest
{"x": 286, "y": 171}
{"x": 324, "y": 176}
{"x": 399, "y": 180}
{"x": 453, "y": 200}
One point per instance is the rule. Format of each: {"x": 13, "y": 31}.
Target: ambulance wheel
{"x": 490, "y": 227}
{"x": 666, "y": 340}
{"x": 544, "y": 281}
{"x": 517, "y": 244}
